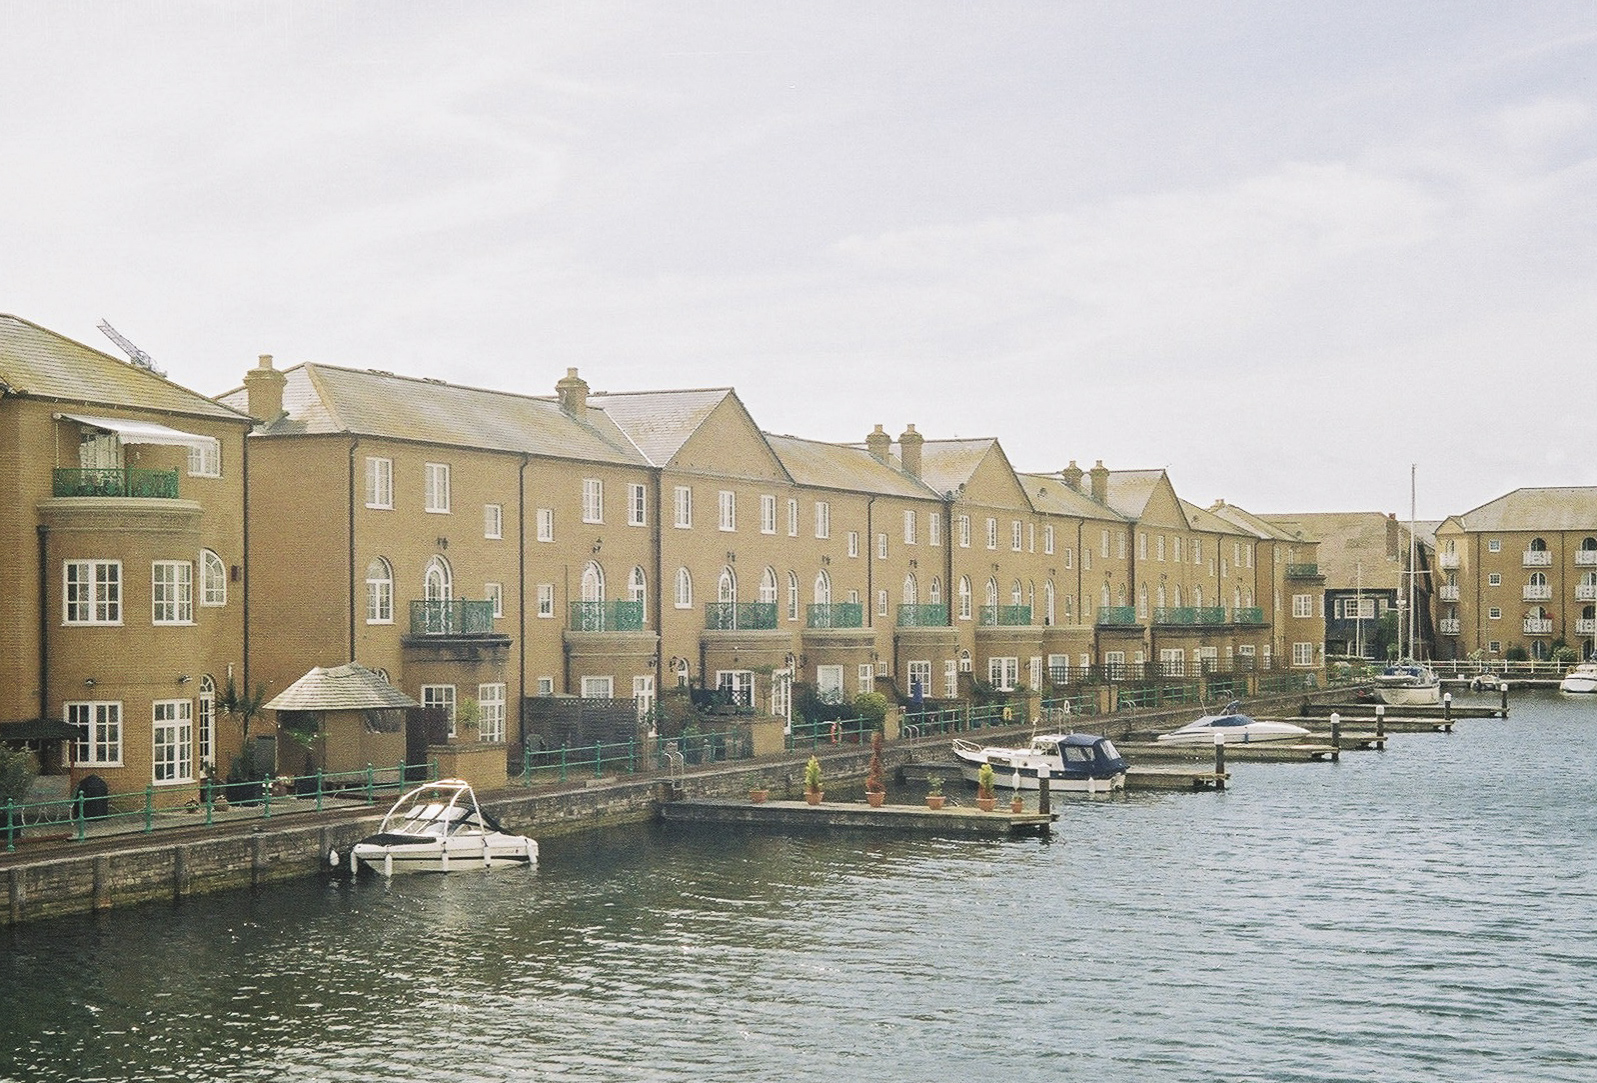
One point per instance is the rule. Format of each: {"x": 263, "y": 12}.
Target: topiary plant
{"x": 812, "y": 776}
{"x": 873, "y": 775}
{"x": 984, "y": 782}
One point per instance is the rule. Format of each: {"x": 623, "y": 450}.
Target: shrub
{"x": 873, "y": 776}
{"x": 812, "y": 776}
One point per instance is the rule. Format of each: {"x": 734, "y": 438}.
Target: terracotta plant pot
{"x": 935, "y": 802}
{"x": 1017, "y": 805}
{"x": 814, "y": 796}
{"x": 986, "y": 804}
{"x": 876, "y": 797}
{"x": 758, "y": 796}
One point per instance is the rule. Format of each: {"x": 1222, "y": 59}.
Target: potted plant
{"x": 759, "y": 790}
{"x": 875, "y": 788}
{"x": 812, "y": 781}
{"x": 984, "y": 788}
{"x": 934, "y": 791}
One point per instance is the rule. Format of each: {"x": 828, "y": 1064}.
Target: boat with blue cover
{"x": 1075, "y": 761}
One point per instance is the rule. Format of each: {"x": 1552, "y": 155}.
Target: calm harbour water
{"x": 1429, "y": 913}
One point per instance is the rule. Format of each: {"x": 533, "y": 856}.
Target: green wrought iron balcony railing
{"x": 1004, "y": 616}
{"x": 1117, "y": 616}
{"x": 1302, "y": 571}
{"x": 924, "y": 616}
{"x": 1210, "y": 614}
{"x": 835, "y": 615}
{"x": 614, "y": 616}
{"x": 734, "y": 616}
{"x": 1183, "y": 614}
{"x": 456, "y": 617}
{"x": 155, "y": 484}
{"x": 1248, "y": 615}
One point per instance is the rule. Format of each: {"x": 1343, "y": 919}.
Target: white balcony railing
{"x": 1447, "y": 560}
{"x": 1538, "y": 594}
{"x": 1586, "y": 592}
{"x": 1586, "y": 558}
{"x": 1448, "y": 626}
{"x": 1538, "y": 626}
{"x": 1585, "y": 626}
{"x": 1538, "y": 558}
{"x": 1448, "y": 592}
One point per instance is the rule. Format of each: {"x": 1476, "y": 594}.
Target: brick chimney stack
{"x": 878, "y": 444}
{"x": 573, "y": 392}
{"x": 1100, "y": 482}
{"x": 1072, "y": 475}
{"x": 909, "y": 448}
{"x": 263, "y": 386}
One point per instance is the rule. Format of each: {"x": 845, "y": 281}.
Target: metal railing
{"x": 1448, "y": 592}
{"x": 1250, "y": 614}
{"x": 1543, "y": 593}
{"x": 1447, "y": 561}
{"x": 1190, "y": 615}
{"x": 451, "y": 618}
{"x": 802, "y": 733}
{"x": 1585, "y": 558}
{"x": 1277, "y": 684}
{"x": 614, "y": 616}
{"x": 1302, "y": 571}
{"x": 835, "y": 615}
{"x": 1538, "y": 558}
{"x": 1117, "y": 616}
{"x": 1004, "y": 616}
{"x": 922, "y": 616}
{"x": 731, "y": 616}
{"x": 558, "y": 764}
{"x": 155, "y": 484}
{"x": 1535, "y": 626}
{"x": 1448, "y": 626}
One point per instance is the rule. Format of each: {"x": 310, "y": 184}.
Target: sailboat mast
{"x": 1412, "y": 545}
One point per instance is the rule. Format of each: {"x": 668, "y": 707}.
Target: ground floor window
{"x": 782, "y": 693}
{"x": 829, "y": 683}
{"x": 1172, "y": 662}
{"x": 598, "y": 687}
{"x": 738, "y": 684}
{"x": 1059, "y": 668}
{"x": 1003, "y": 673}
{"x": 920, "y": 679}
{"x": 643, "y": 696}
{"x": 1303, "y": 654}
{"x": 950, "y": 679}
{"x": 1114, "y": 664}
{"x": 867, "y": 677}
{"x": 440, "y": 697}
{"x": 546, "y": 686}
{"x": 173, "y": 744}
{"x": 491, "y": 712}
{"x": 99, "y": 739}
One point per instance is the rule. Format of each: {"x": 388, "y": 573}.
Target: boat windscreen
{"x": 1077, "y": 754}
{"x": 1232, "y": 720}
{"x": 1107, "y": 748}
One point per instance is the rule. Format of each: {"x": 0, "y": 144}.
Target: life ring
{"x": 836, "y": 731}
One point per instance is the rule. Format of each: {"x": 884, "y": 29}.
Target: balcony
{"x": 1586, "y": 558}
{"x": 1447, "y": 561}
{"x": 1542, "y": 593}
{"x": 835, "y": 615}
{"x": 1447, "y": 592}
{"x": 1585, "y": 626}
{"x": 1538, "y": 558}
{"x": 924, "y": 616}
{"x": 617, "y": 616}
{"x": 1004, "y": 616}
{"x": 1302, "y": 571}
{"x": 1180, "y": 616}
{"x": 1248, "y": 615}
{"x": 154, "y": 484}
{"x": 456, "y": 617}
{"x": 1117, "y": 616}
{"x": 1448, "y": 626}
{"x": 1538, "y": 626}
{"x": 739, "y": 616}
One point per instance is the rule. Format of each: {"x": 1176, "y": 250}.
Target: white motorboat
{"x": 1583, "y": 678}
{"x": 1075, "y": 761}
{"x": 1409, "y": 684}
{"x": 1235, "y": 727}
{"x": 439, "y": 827}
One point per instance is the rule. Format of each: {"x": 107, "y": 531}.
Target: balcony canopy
{"x": 140, "y": 432}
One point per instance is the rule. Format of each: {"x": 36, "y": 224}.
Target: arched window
{"x": 638, "y": 591}
{"x": 823, "y": 588}
{"x": 992, "y": 593}
{"x": 1048, "y": 602}
{"x": 593, "y": 582}
{"x": 726, "y": 589}
{"x": 684, "y": 589}
{"x": 768, "y": 586}
{"x": 1142, "y": 601}
{"x": 911, "y": 590}
{"x": 205, "y": 739}
{"x": 964, "y": 597}
{"x": 213, "y": 579}
{"x": 379, "y": 592}
{"x": 438, "y": 582}
{"x": 1588, "y": 545}
{"x": 1017, "y": 593}
{"x": 1176, "y": 594}
{"x": 1103, "y": 600}
{"x": 934, "y": 593}
{"x": 792, "y": 595}
{"x": 1537, "y": 545}
{"x": 1197, "y": 597}
{"x": 1159, "y": 597}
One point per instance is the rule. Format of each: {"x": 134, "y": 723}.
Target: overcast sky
{"x": 1282, "y": 249}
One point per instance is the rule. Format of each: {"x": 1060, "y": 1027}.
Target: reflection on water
{"x": 1419, "y": 914}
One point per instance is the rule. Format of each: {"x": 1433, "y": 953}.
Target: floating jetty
{"x": 848, "y": 816}
{"x": 1137, "y": 778}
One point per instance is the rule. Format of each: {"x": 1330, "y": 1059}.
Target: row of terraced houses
{"x": 159, "y": 545}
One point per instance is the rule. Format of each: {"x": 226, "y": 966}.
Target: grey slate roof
{"x": 844, "y": 466}
{"x": 660, "y": 422}
{"x": 1049, "y": 493}
{"x": 349, "y": 687}
{"x": 1567, "y": 508}
{"x": 43, "y": 364}
{"x": 948, "y": 464}
{"x": 1130, "y": 490}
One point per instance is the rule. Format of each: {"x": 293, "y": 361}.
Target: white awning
{"x": 141, "y": 432}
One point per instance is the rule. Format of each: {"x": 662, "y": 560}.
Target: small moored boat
{"x": 1075, "y": 761}
{"x": 440, "y": 827}
{"x": 1409, "y": 684}
{"x": 1235, "y": 726}
{"x": 1583, "y": 678}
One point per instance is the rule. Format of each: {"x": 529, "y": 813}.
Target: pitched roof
{"x": 349, "y": 687}
{"x": 1248, "y": 523}
{"x": 1566, "y": 508}
{"x": 1217, "y": 521}
{"x": 948, "y": 464}
{"x": 327, "y": 399}
{"x": 1052, "y": 495}
{"x": 1130, "y": 490}
{"x": 660, "y": 422}
{"x": 43, "y": 364}
{"x": 1356, "y": 547}
{"x": 844, "y": 466}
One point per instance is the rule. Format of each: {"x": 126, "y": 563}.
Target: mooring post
{"x": 1503, "y": 688}
{"x": 1336, "y": 730}
{"x": 1447, "y": 711}
{"x": 1380, "y": 720}
{"x": 1042, "y": 790}
{"x": 1219, "y": 761}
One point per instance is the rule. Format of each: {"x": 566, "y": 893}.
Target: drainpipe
{"x": 870, "y": 564}
{"x": 353, "y": 445}
{"x": 44, "y": 621}
{"x": 657, "y": 544}
{"x": 952, "y": 592}
{"x": 244, "y": 465}
{"x": 521, "y": 589}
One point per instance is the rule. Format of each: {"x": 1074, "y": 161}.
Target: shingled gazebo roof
{"x": 349, "y": 687}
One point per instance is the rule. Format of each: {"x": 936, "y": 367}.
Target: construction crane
{"x": 135, "y": 355}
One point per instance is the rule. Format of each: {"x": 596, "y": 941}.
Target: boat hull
{"x": 1205, "y": 738}
{"x": 1578, "y": 684}
{"x": 460, "y": 855}
{"x": 1417, "y": 696}
{"x": 1004, "y": 779}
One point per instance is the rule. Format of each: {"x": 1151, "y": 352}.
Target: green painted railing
{"x": 1117, "y": 616}
{"x": 451, "y": 618}
{"x": 1179, "y": 615}
{"x": 730, "y": 616}
{"x": 1056, "y": 710}
{"x": 157, "y": 484}
{"x": 1004, "y": 616}
{"x": 922, "y": 616}
{"x": 1248, "y": 615}
{"x": 1302, "y": 571}
{"x": 835, "y": 615}
{"x": 1281, "y": 683}
{"x": 1210, "y": 614}
{"x": 558, "y": 764}
{"x": 615, "y": 616}
{"x": 812, "y": 735}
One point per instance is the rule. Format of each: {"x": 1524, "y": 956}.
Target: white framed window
{"x": 920, "y": 678}
{"x": 1159, "y": 548}
{"x": 546, "y": 686}
{"x": 823, "y": 519}
{"x": 493, "y": 521}
{"x": 436, "y": 494}
{"x": 1142, "y": 545}
{"x": 491, "y": 712}
{"x": 379, "y": 592}
{"x": 205, "y": 460}
{"x": 92, "y": 592}
{"x": 964, "y": 597}
{"x": 881, "y": 545}
{"x": 1103, "y": 549}
{"x": 934, "y": 528}
{"x": 1494, "y": 613}
{"x": 213, "y": 580}
{"x": 440, "y": 697}
{"x": 829, "y": 684}
{"x": 682, "y": 507}
{"x": 1303, "y": 605}
{"x": 950, "y": 678}
{"x": 1197, "y": 550}
{"x": 1494, "y": 646}
{"x": 598, "y": 688}
{"x": 867, "y": 677}
{"x": 206, "y": 734}
{"x": 1494, "y": 545}
{"x": 546, "y": 600}
{"x": 881, "y": 603}
{"x": 593, "y": 500}
{"x": 853, "y": 543}
{"x": 1048, "y": 542}
{"x": 909, "y": 527}
{"x": 637, "y": 505}
{"x": 964, "y": 532}
{"x": 379, "y": 483}
{"x": 767, "y": 514}
{"x": 1303, "y": 654}
{"x": 1014, "y": 535}
{"x": 1031, "y": 537}
{"x": 729, "y": 510}
{"x": 172, "y": 743}
{"x": 495, "y": 593}
{"x": 643, "y": 696}
{"x": 992, "y": 533}
{"x": 1176, "y": 550}
{"x": 171, "y": 592}
{"x": 792, "y": 596}
{"x": 684, "y": 593}
{"x": 638, "y": 591}
{"x": 1120, "y": 546}
{"x": 1003, "y": 673}
{"x": 1494, "y": 579}
{"x": 546, "y": 524}
{"x": 1034, "y": 671}
{"x": 99, "y": 739}
{"x": 792, "y": 518}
